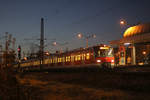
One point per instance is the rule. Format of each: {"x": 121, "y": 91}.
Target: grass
{"x": 75, "y": 85}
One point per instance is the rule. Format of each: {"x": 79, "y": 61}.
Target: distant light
{"x": 127, "y": 44}
{"x": 122, "y": 22}
{"x": 54, "y": 43}
{"x": 47, "y": 53}
{"x": 25, "y": 58}
{"x": 79, "y": 35}
{"x": 104, "y": 47}
{"x": 144, "y": 52}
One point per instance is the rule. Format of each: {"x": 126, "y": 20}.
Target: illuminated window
{"x": 68, "y": 58}
{"x": 55, "y": 60}
{"x": 63, "y": 59}
{"x": 99, "y": 53}
{"x": 83, "y": 56}
{"x": 78, "y": 57}
{"x": 60, "y": 59}
{"x": 88, "y": 56}
{"x": 72, "y": 58}
{"x": 51, "y": 61}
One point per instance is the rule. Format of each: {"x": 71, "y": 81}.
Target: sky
{"x": 64, "y": 19}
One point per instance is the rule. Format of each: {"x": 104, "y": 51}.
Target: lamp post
{"x": 80, "y": 35}
{"x": 123, "y": 22}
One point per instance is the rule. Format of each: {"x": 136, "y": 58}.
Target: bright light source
{"x": 112, "y": 61}
{"x": 127, "y": 44}
{"x": 122, "y": 22}
{"x": 98, "y": 61}
{"x": 47, "y": 53}
{"x": 144, "y": 52}
{"x": 54, "y": 43}
{"x": 79, "y": 35}
{"x": 25, "y": 58}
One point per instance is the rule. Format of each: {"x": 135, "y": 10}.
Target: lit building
{"x": 134, "y": 47}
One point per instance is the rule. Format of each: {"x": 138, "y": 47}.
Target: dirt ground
{"x": 85, "y": 85}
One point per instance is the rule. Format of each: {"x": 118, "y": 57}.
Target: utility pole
{"x": 42, "y": 43}
{"x": 6, "y": 48}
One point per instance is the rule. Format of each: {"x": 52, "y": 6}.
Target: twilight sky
{"x": 65, "y": 18}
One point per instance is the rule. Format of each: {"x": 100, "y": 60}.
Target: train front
{"x": 104, "y": 56}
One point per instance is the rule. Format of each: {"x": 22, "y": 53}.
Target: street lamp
{"x": 87, "y": 37}
{"x": 79, "y": 35}
{"x": 123, "y": 22}
{"x": 54, "y": 43}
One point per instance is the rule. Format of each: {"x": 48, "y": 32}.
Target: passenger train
{"x": 99, "y": 55}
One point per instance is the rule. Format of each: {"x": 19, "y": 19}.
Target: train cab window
{"x": 103, "y": 52}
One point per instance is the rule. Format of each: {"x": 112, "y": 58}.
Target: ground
{"x": 89, "y": 85}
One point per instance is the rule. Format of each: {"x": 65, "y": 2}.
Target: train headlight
{"x": 98, "y": 61}
{"x": 112, "y": 61}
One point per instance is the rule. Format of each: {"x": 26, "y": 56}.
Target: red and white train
{"x": 100, "y": 55}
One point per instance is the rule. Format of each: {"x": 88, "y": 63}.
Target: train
{"x": 100, "y": 55}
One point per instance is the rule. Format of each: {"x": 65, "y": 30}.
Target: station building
{"x": 134, "y": 47}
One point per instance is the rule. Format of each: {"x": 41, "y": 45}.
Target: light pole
{"x": 80, "y": 35}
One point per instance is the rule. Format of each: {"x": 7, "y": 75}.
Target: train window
{"x": 58, "y": 60}
{"x": 88, "y": 56}
{"x": 78, "y": 57}
{"x": 51, "y": 61}
{"x": 67, "y": 58}
{"x": 72, "y": 58}
{"x": 104, "y": 52}
{"x": 55, "y": 60}
{"x": 82, "y": 57}
{"x": 63, "y": 59}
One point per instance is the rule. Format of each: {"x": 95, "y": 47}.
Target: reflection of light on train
{"x": 100, "y": 55}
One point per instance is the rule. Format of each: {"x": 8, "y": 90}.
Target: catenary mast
{"x": 42, "y": 43}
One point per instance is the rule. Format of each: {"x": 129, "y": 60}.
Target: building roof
{"x": 137, "y": 30}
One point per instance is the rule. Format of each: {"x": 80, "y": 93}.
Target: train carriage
{"x": 100, "y": 55}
